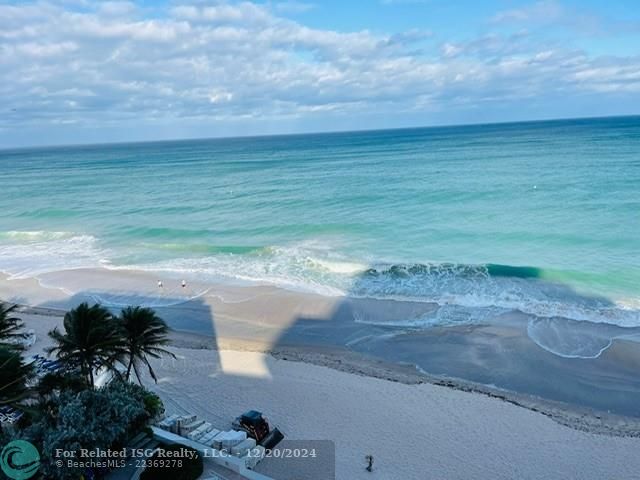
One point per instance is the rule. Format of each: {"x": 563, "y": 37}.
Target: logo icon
{"x": 19, "y": 460}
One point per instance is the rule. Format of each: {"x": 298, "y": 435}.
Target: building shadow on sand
{"x": 401, "y": 337}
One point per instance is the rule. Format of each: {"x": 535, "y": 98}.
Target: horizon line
{"x": 326, "y": 132}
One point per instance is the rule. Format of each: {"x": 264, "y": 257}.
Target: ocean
{"x": 539, "y": 217}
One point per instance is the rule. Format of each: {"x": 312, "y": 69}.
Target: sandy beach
{"x": 413, "y": 430}
{"x": 496, "y": 356}
{"x": 410, "y": 421}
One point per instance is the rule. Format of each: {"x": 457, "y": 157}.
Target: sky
{"x": 79, "y": 71}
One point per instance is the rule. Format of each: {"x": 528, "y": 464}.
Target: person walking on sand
{"x": 369, "y": 459}
{"x": 160, "y": 284}
{"x": 184, "y": 284}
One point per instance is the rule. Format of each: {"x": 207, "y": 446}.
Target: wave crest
{"x": 30, "y": 254}
{"x": 319, "y": 268}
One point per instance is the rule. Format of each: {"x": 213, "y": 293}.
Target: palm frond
{"x": 91, "y": 339}
{"x": 144, "y": 335}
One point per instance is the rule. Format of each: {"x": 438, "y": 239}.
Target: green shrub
{"x": 105, "y": 418}
{"x": 14, "y": 376}
{"x": 152, "y": 404}
{"x": 191, "y": 469}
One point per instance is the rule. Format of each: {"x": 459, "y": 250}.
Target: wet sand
{"x": 496, "y": 358}
{"x": 410, "y": 427}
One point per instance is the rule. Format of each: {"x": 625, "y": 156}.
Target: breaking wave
{"x": 562, "y": 317}
{"x": 28, "y": 254}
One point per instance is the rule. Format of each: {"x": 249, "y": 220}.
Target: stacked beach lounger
{"x": 43, "y": 365}
{"x": 9, "y": 415}
{"x": 233, "y": 442}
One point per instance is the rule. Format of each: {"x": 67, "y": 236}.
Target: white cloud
{"x": 105, "y": 62}
{"x": 544, "y": 11}
{"x": 450, "y": 50}
{"x": 33, "y": 49}
{"x": 244, "y": 12}
{"x": 116, "y": 8}
{"x": 220, "y": 96}
{"x": 551, "y": 12}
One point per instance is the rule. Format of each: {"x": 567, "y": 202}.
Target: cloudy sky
{"x": 78, "y": 71}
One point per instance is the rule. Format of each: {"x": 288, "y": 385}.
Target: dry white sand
{"x": 413, "y": 431}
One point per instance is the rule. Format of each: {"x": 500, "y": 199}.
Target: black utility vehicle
{"x": 257, "y": 427}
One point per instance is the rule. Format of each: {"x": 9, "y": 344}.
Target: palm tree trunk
{"x": 135, "y": 369}
{"x": 83, "y": 371}
{"x": 129, "y": 367}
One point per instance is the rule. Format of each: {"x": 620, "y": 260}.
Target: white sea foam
{"x": 42, "y": 252}
{"x": 295, "y": 268}
{"x": 576, "y": 339}
{"x": 473, "y": 289}
{"x": 36, "y": 235}
{"x": 442, "y": 316}
{"x": 145, "y": 299}
{"x": 466, "y": 294}
{"x": 300, "y": 268}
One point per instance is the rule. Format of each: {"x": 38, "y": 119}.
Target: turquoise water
{"x": 541, "y": 217}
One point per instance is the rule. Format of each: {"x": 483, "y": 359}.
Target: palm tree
{"x": 92, "y": 339}
{"x": 10, "y": 327}
{"x": 144, "y": 335}
{"x": 14, "y": 373}
{"x": 14, "y": 377}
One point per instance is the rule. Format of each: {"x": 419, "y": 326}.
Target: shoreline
{"x": 354, "y": 363}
